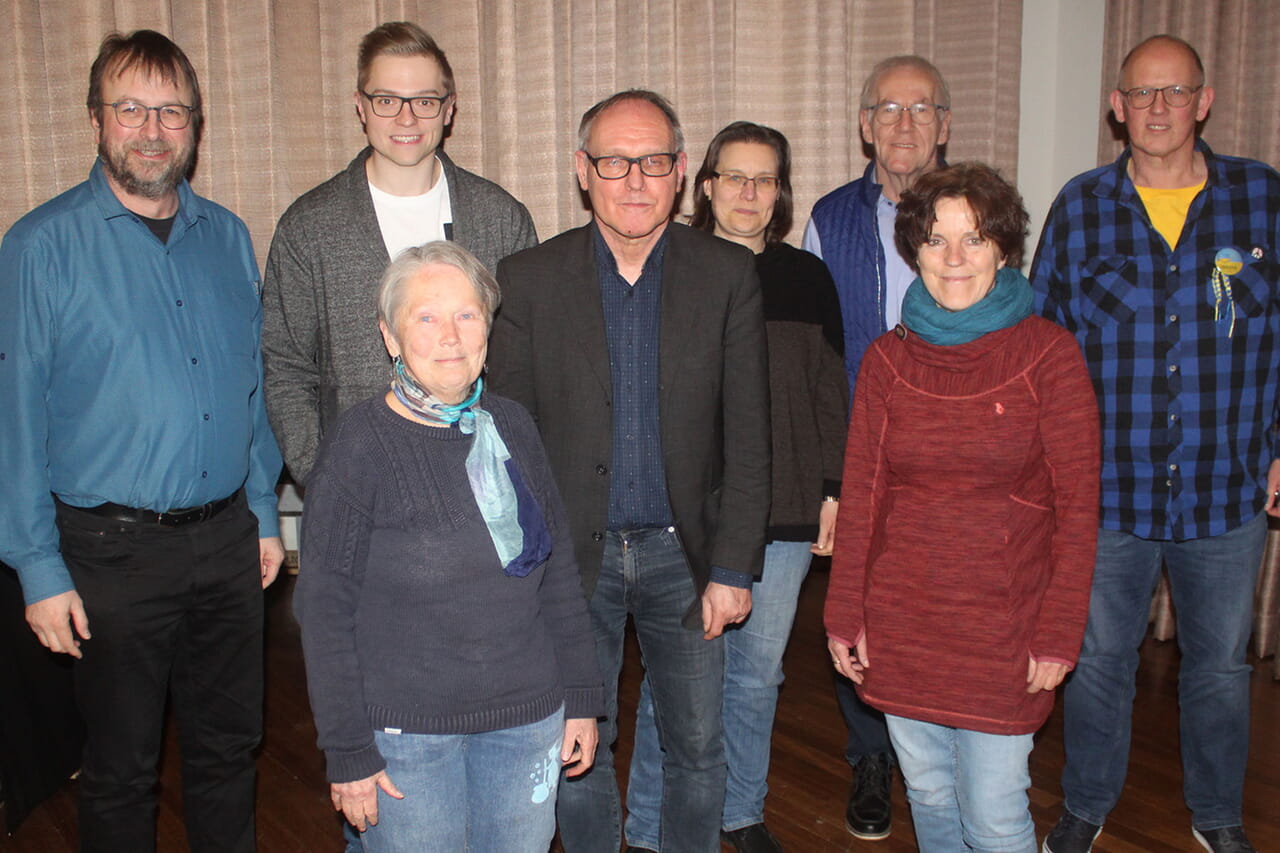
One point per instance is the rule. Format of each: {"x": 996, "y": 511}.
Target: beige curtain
{"x": 1238, "y": 40}
{"x": 278, "y": 76}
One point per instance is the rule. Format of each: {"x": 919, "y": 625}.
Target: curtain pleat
{"x": 278, "y": 78}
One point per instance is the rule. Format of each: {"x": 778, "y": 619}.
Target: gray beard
{"x": 159, "y": 187}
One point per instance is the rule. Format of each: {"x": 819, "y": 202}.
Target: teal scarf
{"x": 1006, "y": 304}
{"x": 488, "y": 471}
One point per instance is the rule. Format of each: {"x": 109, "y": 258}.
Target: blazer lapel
{"x": 682, "y": 322}
{"x": 584, "y": 309}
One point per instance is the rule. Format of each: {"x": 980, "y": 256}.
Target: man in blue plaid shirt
{"x": 1164, "y": 265}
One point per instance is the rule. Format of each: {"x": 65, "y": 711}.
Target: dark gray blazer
{"x": 548, "y": 351}
{"x": 321, "y": 349}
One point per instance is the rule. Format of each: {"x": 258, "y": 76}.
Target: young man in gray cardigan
{"x": 320, "y": 344}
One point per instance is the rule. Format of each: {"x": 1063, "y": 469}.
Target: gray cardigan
{"x": 321, "y": 350}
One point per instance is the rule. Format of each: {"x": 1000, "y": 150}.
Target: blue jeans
{"x": 490, "y": 792}
{"x": 752, "y": 675}
{"x": 1212, "y": 581}
{"x": 644, "y": 573}
{"x": 967, "y": 789}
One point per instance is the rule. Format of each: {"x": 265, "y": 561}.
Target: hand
{"x": 270, "y": 557}
{"x": 722, "y": 606}
{"x": 358, "y": 800}
{"x": 52, "y": 619}
{"x": 1044, "y": 675}
{"x": 826, "y": 529}
{"x": 1273, "y": 486}
{"x": 579, "y": 748}
{"x": 849, "y": 662}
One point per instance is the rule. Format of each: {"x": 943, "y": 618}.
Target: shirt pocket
{"x": 1253, "y": 287}
{"x": 1108, "y": 290}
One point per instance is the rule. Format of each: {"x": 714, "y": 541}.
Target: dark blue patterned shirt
{"x": 1183, "y": 343}
{"x": 632, "y": 315}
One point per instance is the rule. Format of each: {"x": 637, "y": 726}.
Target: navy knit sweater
{"x": 408, "y": 621}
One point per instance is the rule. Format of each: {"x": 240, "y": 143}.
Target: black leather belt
{"x": 170, "y": 518}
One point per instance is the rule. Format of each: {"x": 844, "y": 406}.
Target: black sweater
{"x": 808, "y": 390}
{"x": 408, "y": 620}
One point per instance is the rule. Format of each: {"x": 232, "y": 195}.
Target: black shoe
{"x": 1071, "y": 835}
{"x": 755, "y": 838}
{"x": 1229, "y": 839}
{"x": 870, "y": 813}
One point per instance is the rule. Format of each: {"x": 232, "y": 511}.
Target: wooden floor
{"x": 808, "y": 781}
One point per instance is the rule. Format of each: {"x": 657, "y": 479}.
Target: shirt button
{"x": 195, "y": 361}
{"x": 1168, "y": 482}
{"x": 179, "y": 303}
{"x": 596, "y": 536}
{"x": 1173, "y": 318}
{"x": 206, "y": 416}
{"x": 204, "y": 475}
{"x": 1173, "y": 368}
{"x": 1173, "y": 267}
{"x": 1173, "y": 467}
{"x": 1173, "y": 419}
{"x": 601, "y": 470}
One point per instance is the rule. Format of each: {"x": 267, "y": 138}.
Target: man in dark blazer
{"x": 639, "y": 347}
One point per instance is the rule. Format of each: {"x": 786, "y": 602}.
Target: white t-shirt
{"x": 412, "y": 220}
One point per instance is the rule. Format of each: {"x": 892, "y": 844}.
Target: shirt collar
{"x": 607, "y": 263}
{"x": 1115, "y": 182}
{"x": 190, "y": 205}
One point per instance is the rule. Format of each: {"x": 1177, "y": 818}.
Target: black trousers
{"x": 173, "y": 612}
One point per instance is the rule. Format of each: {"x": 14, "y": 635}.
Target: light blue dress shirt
{"x": 130, "y": 370}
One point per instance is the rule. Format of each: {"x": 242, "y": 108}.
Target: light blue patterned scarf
{"x": 487, "y": 463}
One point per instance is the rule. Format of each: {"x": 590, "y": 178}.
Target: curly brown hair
{"x": 996, "y": 205}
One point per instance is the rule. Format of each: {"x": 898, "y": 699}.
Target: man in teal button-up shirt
{"x": 138, "y": 461}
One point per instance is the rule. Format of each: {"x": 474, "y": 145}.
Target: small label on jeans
{"x": 392, "y": 731}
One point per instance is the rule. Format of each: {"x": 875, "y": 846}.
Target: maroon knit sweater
{"x": 968, "y": 523}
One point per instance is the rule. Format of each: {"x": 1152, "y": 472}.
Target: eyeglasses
{"x": 422, "y": 106}
{"x": 737, "y": 182}
{"x": 890, "y": 112}
{"x": 1174, "y": 96}
{"x": 612, "y": 167}
{"x": 134, "y": 114}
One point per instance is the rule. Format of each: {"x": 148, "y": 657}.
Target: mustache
{"x": 158, "y": 147}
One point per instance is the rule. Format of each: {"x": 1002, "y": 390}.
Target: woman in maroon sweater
{"x": 960, "y": 582}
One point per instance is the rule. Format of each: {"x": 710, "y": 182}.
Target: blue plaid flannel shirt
{"x": 1185, "y": 367}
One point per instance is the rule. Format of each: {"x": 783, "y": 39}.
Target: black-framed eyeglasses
{"x": 738, "y": 182}
{"x": 134, "y": 114}
{"x": 422, "y": 106}
{"x": 612, "y": 167}
{"x": 1174, "y": 96}
{"x": 890, "y": 112}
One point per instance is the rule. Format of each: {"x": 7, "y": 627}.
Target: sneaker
{"x": 1071, "y": 835}
{"x": 1229, "y": 839}
{"x": 870, "y": 812}
{"x": 755, "y": 838}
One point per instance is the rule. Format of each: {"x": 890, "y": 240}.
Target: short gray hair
{"x": 590, "y": 116}
{"x": 908, "y": 60}
{"x": 407, "y": 264}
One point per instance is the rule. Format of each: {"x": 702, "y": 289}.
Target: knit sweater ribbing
{"x": 408, "y": 620}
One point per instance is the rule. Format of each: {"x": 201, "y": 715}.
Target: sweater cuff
{"x": 728, "y": 577}
{"x": 582, "y": 703}
{"x": 354, "y": 766}
{"x": 831, "y": 488}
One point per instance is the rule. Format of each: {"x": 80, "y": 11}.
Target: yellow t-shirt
{"x": 1168, "y": 209}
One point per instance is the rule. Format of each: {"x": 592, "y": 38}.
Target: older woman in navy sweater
{"x": 449, "y": 655}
